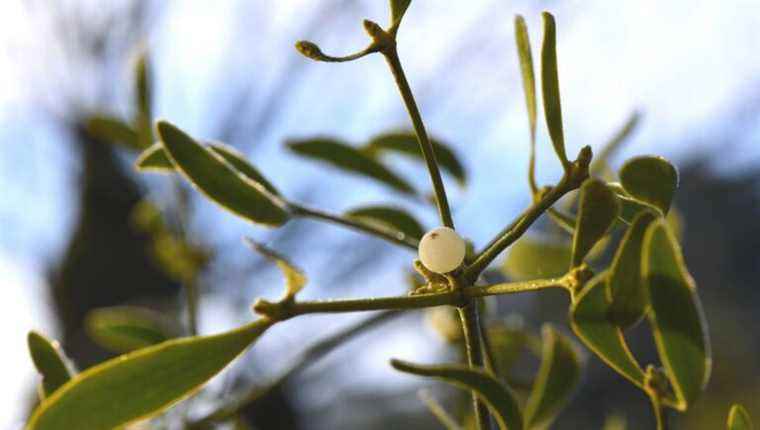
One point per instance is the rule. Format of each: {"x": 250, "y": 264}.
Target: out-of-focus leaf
{"x": 50, "y": 363}
{"x": 599, "y": 208}
{"x": 390, "y": 218}
{"x": 140, "y": 384}
{"x": 445, "y": 322}
{"x": 532, "y": 259}
{"x": 675, "y": 222}
{"x": 295, "y": 279}
{"x": 678, "y": 324}
{"x": 406, "y": 143}
{"x": 625, "y": 284}
{"x": 127, "y": 328}
{"x": 446, "y": 420}
{"x": 239, "y": 162}
{"x": 113, "y": 130}
{"x": 398, "y": 9}
{"x": 652, "y": 180}
{"x": 154, "y": 158}
{"x": 493, "y": 392}
{"x": 144, "y": 100}
{"x": 738, "y": 419}
{"x": 507, "y": 344}
{"x": 615, "y": 422}
{"x": 600, "y": 164}
{"x": 350, "y": 159}
{"x": 219, "y": 181}
{"x": 550, "y": 87}
{"x": 588, "y": 319}
{"x": 556, "y": 379}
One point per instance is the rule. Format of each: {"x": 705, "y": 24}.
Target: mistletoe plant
{"x": 646, "y": 279}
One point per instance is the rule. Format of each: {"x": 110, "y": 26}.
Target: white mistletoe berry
{"x": 441, "y": 250}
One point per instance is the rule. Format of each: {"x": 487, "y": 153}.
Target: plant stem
{"x": 517, "y": 287}
{"x": 391, "y": 56}
{"x": 474, "y": 349}
{"x": 398, "y": 239}
{"x": 308, "y": 357}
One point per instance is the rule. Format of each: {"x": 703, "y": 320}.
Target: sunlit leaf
{"x": 295, "y": 279}
{"x": 398, "y": 9}
{"x": 738, "y": 419}
{"x": 154, "y": 158}
{"x": 127, "y": 328}
{"x": 588, "y": 319}
{"x": 652, "y": 180}
{"x": 50, "y": 362}
{"x": 390, "y": 218}
{"x": 557, "y": 377}
{"x": 599, "y": 208}
{"x": 348, "y": 158}
{"x": 219, "y": 181}
{"x": 142, "y": 383}
{"x": 530, "y": 258}
{"x": 242, "y": 165}
{"x": 406, "y": 143}
{"x": 625, "y": 284}
{"x": 550, "y": 87}
{"x": 493, "y": 392}
{"x": 678, "y": 324}
{"x": 113, "y": 130}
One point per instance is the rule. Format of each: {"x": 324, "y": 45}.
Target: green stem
{"x": 517, "y": 287}
{"x": 398, "y": 239}
{"x": 474, "y": 349}
{"x": 391, "y": 55}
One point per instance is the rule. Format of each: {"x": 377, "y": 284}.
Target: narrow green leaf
{"x": 678, "y": 324}
{"x": 550, "y": 88}
{"x": 600, "y": 164}
{"x": 127, "y": 328}
{"x": 625, "y": 284}
{"x": 295, "y": 279}
{"x": 390, "y": 218}
{"x": 598, "y": 209}
{"x": 738, "y": 419}
{"x": 50, "y": 362}
{"x": 348, "y": 158}
{"x": 140, "y": 384}
{"x": 113, "y": 130}
{"x": 530, "y": 258}
{"x": 154, "y": 159}
{"x": 557, "y": 377}
{"x": 526, "y": 69}
{"x": 144, "y": 115}
{"x": 406, "y": 143}
{"x": 398, "y": 9}
{"x": 242, "y": 165}
{"x": 438, "y": 411}
{"x": 652, "y": 180}
{"x": 219, "y": 181}
{"x": 588, "y": 319}
{"x": 493, "y": 392}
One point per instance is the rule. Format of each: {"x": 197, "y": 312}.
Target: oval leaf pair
{"x": 652, "y": 180}
{"x": 50, "y": 362}
{"x": 494, "y": 393}
{"x": 678, "y": 324}
{"x": 389, "y": 218}
{"x": 140, "y": 384}
{"x": 211, "y": 174}
{"x": 598, "y": 210}
{"x": 557, "y": 377}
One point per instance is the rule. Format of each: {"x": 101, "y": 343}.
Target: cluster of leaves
{"x": 645, "y": 280}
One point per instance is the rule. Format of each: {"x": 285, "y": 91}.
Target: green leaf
{"x": 652, "y": 180}
{"x": 348, "y": 158}
{"x": 145, "y": 382}
{"x": 679, "y": 327}
{"x": 600, "y": 164}
{"x": 211, "y": 174}
{"x": 446, "y": 420}
{"x": 127, "y": 328}
{"x": 526, "y": 69}
{"x": 390, "y": 218}
{"x": 113, "y": 130}
{"x": 406, "y": 143}
{"x": 625, "y": 284}
{"x": 154, "y": 159}
{"x": 508, "y": 342}
{"x": 530, "y": 258}
{"x": 50, "y": 362}
{"x": 550, "y": 88}
{"x": 598, "y": 209}
{"x": 588, "y": 319}
{"x": 557, "y": 377}
{"x": 738, "y": 419}
{"x": 144, "y": 100}
{"x": 241, "y": 164}
{"x": 493, "y": 392}
{"x": 398, "y": 9}
{"x": 295, "y": 279}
